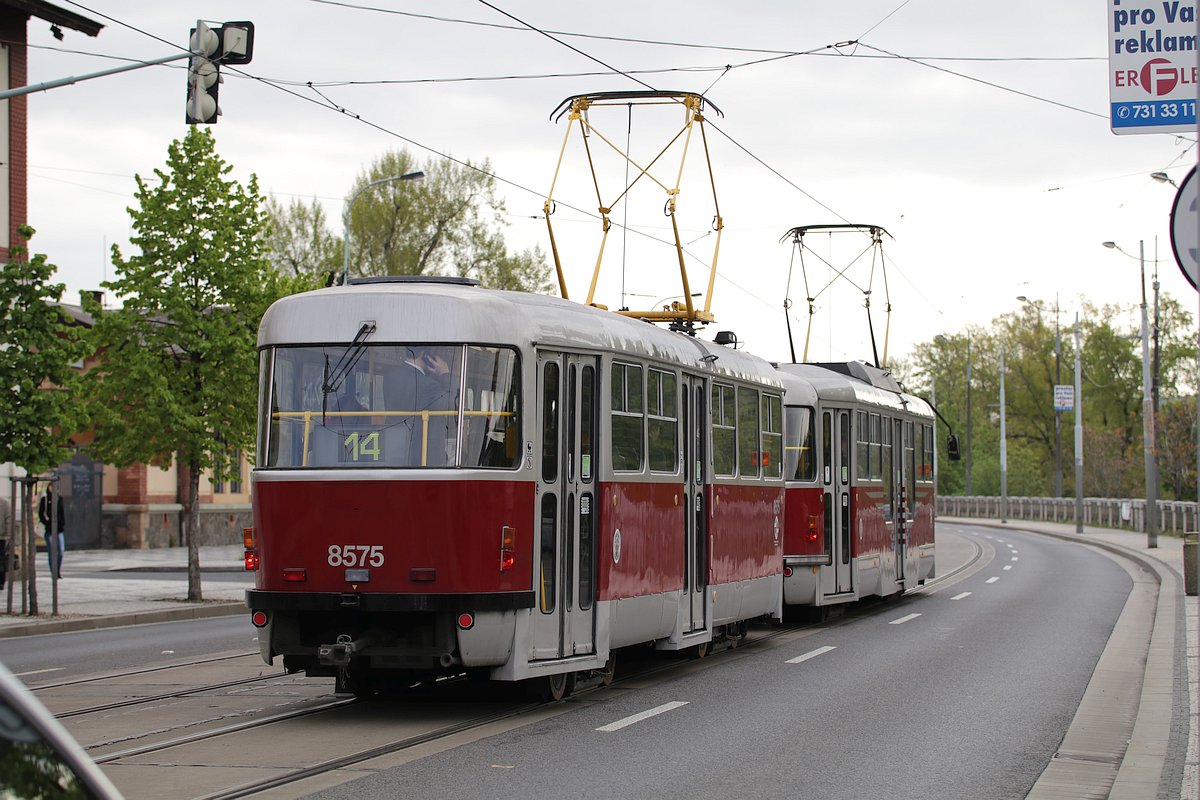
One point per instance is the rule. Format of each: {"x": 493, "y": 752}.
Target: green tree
{"x": 299, "y": 241}
{"x": 38, "y": 345}
{"x": 177, "y": 378}
{"x": 450, "y": 223}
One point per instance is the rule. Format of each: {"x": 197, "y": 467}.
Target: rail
{"x": 1174, "y": 516}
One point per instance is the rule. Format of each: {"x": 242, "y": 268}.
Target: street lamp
{"x": 409, "y": 176}
{"x": 1163, "y": 177}
{"x": 1003, "y": 447}
{"x": 1147, "y": 408}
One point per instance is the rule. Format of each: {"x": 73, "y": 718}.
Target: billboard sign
{"x": 1152, "y": 66}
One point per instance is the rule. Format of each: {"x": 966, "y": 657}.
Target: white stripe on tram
{"x": 903, "y": 620}
{"x": 635, "y": 718}
{"x": 820, "y": 651}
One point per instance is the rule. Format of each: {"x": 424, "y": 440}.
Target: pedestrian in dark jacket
{"x": 57, "y": 518}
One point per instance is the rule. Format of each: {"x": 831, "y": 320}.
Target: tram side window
{"x": 724, "y": 431}
{"x": 628, "y": 444}
{"x": 749, "y": 455}
{"x": 863, "y": 445}
{"x": 800, "y": 455}
{"x": 876, "y": 449}
{"x": 662, "y": 421}
{"x": 772, "y": 436}
{"x": 927, "y": 453}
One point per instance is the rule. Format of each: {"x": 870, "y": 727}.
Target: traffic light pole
{"x": 41, "y": 87}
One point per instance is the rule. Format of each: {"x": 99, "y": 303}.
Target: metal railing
{"x": 1174, "y": 516}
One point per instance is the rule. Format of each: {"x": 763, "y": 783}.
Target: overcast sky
{"x": 976, "y": 134}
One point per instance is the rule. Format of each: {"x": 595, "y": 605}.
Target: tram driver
{"x": 423, "y": 382}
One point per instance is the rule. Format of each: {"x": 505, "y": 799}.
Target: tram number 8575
{"x": 356, "y": 555}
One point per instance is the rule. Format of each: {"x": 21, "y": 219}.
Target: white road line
{"x": 903, "y": 620}
{"x": 1014, "y": 558}
{"x": 1009, "y": 566}
{"x": 1015, "y": 551}
{"x": 961, "y": 595}
{"x": 631, "y": 720}
{"x": 39, "y": 671}
{"x": 992, "y": 580}
{"x": 820, "y": 651}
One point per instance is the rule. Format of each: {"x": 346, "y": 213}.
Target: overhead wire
{"x": 772, "y": 55}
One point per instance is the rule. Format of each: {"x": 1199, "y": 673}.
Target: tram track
{"x": 393, "y": 734}
{"x": 387, "y": 748}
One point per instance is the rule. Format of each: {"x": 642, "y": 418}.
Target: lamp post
{"x": 1003, "y": 447}
{"x": 1148, "y": 439}
{"x": 409, "y": 176}
{"x": 1078, "y": 432}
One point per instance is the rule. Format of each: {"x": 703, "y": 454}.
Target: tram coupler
{"x": 340, "y": 653}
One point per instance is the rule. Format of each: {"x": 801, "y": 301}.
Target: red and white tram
{"x": 860, "y": 492}
{"x": 451, "y": 478}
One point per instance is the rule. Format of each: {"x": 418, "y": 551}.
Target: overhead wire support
{"x": 578, "y": 110}
{"x": 876, "y": 233}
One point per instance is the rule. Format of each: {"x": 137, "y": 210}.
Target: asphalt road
{"x": 60, "y": 656}
{"x": 966, "y": 692}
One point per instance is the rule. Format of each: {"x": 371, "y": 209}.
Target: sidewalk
{"x": 106, "y": 588}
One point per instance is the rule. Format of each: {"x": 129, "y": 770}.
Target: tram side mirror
{"x": 952, "y": 448}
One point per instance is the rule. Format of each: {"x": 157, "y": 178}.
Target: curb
{"x": 224, "y": 608}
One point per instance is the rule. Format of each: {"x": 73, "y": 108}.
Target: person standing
{"x": 53, "y": 514}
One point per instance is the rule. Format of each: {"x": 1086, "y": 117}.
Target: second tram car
{"x": 452, "y": 479}
{"x": 860, "y": 493}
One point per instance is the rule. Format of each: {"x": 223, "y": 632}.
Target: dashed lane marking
{"x": 903, "y": 620}
{"x": 644, "y": 715}
{"x": 961, "y": 595}
{"x": 38, "y": 672}
{"x": 992, "y": 580}
{"x": 820, "y": 651}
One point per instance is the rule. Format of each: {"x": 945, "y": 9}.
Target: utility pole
{"x": 1003, "y": 447}
{"x": 1148, "y": 448}
{"x": 1058, "y": 469}
{"x": 1078, "y": 432}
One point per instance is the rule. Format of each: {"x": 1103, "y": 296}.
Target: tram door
{"x": 564, "y": 620}
{"x": 695, "y": 516}
{"x": 836, "y": 448}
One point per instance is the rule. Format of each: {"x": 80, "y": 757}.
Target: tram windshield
{"x": 388, "y": 405}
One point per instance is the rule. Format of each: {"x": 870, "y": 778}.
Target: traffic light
{"x": 232, "y": 43}
{"x": 204, "y": 76}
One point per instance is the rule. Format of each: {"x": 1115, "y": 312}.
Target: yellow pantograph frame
{"x": 576, "y": 108}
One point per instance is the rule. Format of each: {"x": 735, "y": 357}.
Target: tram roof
{"x": 439, "y": 311}
{"x": 854, "y": 382}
